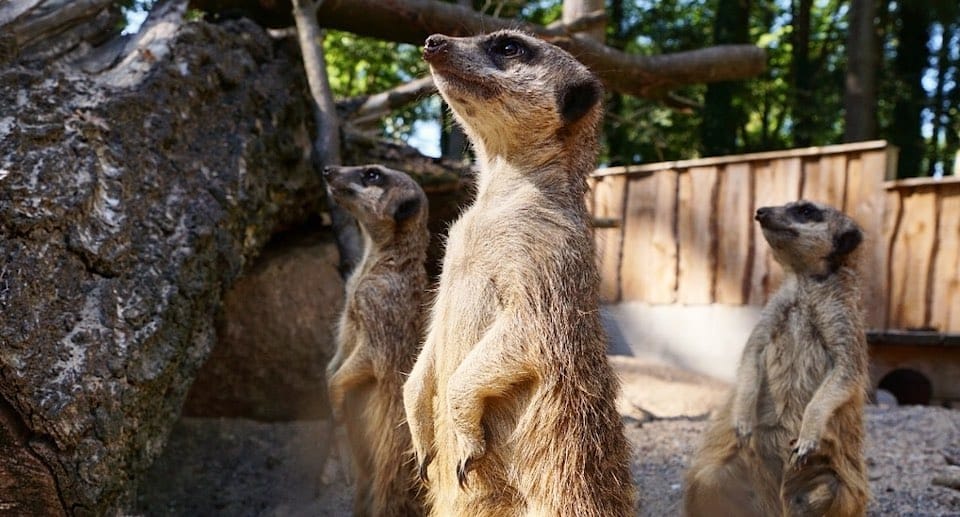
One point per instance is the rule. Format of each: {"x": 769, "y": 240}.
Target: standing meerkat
{"x": 790, "y": 440}
{"x": 511, "y": 401}
{"x": 379, "y": 334}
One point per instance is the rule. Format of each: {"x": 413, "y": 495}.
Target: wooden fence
{"x": 683, "y": 232}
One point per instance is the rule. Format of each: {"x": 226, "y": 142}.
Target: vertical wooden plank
{"x": 637, "y": 236}
{"x": 697, "y": 234}
{"x": 591, "y": 195}
{"x": 782, "y": 186}
{"x": 609, "y": 196}
{"x": 893, "y": 207}
{"x": 865, "y": 201}
{"x": 664, "y": 258}
{"x": 824, "y": 180}
{"x": 911, "y": 260}
{"x": 735, "y": 209}
{"x": 649, "y": 259}
{"x": 945, "y": 299}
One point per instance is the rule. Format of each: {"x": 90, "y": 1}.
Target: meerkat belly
{"x": 796, "y": 363}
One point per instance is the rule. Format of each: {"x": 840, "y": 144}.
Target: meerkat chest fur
{"x": 796, "y": 360}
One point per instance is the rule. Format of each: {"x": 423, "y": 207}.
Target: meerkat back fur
{"x": 511, "y": 401}
{"x": 790, "y": 439}
{"x": 379, "y": 334}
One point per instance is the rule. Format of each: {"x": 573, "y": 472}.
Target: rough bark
{"x": 130, "y": 199}
{"x": 44, "y": 29}
{"x": 411, "y": 21}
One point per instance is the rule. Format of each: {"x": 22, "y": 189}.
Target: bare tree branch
{"x": 368, "y": 109}
{"x": 411, "y": 21}
{"x": 645, "y": 76}
{"x": 578, "y": 23}
{"x": 326, "y": 145}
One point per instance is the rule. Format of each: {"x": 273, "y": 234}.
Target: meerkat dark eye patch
{"x": 406, "y": 209}
{"x": 503, "y": 49}
{"x": 371, "y": 177}
{"x": 806, "y": 212}
{"x": 577, "y": 99}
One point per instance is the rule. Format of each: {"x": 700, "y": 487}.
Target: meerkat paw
{"x": 803, "y": 448}
{"x": 469, "y": 450}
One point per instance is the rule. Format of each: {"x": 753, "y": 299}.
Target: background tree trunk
{"x": 860, "y": 92}
{"x": 912, "y": 56}
{"x": 721, "y": 117}
{"x": 801, "y": 73}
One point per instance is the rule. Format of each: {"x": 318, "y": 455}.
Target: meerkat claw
{"x": 463, "y": 468}
{"x": 422, "y": 471}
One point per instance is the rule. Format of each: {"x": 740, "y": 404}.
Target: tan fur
{"x": 379, "y": 334}
{"x": 790, "y": 440}
{"x": 511, "y": 401}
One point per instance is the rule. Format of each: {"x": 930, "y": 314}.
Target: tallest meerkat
{"x": 511, "y": 401}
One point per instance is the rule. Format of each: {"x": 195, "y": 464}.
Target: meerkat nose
{"x": 762, "y": 213}
{"x": 434, "y": 45}
{"x": 326, "y": 172}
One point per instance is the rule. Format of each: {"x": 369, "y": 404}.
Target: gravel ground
{"x": 239, "y": 467}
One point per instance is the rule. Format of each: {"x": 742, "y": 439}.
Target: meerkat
{"x": 379, "y": 334}
{"x": 790, "y": 439}
{"x": 511, "y": 401}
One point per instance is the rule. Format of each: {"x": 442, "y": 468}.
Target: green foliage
{"x": 361, "y": 66}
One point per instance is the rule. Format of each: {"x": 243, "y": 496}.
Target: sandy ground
{"x": 237, "y": 467}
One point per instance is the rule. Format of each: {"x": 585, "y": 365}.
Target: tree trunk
{"x": 860, "y": 93}
{"x": 801, "y": 73}
{"x": 908, "y": 65}
{"x": 131, "y": 197}
{"x": 721, "y": 117}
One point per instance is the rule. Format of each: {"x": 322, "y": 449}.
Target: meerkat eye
{"x": 807, "y": 212}
{"x": 510, "y": 48}
{"x": 371, "y": 177}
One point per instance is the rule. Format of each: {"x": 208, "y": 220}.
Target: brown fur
{"x": 790, "y": 440}
{"x": 511, "y": 401}
{"x": 379, "y": 334}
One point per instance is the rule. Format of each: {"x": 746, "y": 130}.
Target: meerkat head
{"x": 515, "y": 94}
{"x": 384, "y": 201}
{"x": 810, "y": 238}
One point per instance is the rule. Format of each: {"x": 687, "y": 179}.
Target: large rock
{"x": 131, "y": 197}
{"x": 275, "y": 337}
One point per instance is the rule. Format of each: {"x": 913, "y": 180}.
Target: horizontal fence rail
{"x": 686, "y": 233}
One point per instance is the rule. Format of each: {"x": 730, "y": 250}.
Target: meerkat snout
{"x": 435, "y": 44}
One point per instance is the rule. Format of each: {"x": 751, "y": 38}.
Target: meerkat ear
{"x": 406, "y": 209}
{"x": 578, "y": 98}
{"x": 847, "y": 241}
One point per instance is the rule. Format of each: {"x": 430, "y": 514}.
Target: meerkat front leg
{"x": 489, "y": 370}
{"x": 355, "y": 370}
{"x": 833, "y": 392}
{"x": 418, "y": 395}
{"x": 747, "y": 388}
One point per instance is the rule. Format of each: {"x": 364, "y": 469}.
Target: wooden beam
{"x": 682, "y": 165}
